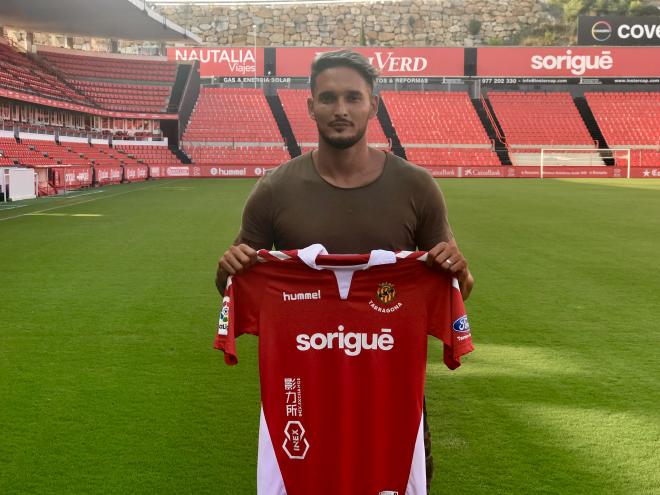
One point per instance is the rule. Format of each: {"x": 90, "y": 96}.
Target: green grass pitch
{"x": 109, "y": 384}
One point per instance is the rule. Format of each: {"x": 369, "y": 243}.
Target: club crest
{"x": 386, "y": 293}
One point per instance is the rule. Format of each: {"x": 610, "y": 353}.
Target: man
{"x": 345, "y": 195}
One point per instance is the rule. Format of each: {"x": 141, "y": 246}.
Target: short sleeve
{"x": 449, "y": 323}
{"x": 257, "y": 221}
{"x": 433, "y": 223}
{"x": 239, "y": 313}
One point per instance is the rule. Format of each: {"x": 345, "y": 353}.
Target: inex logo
{"x": 352, "y": 343}
{"x": 601, "y": 31}
{"x": 295, "y": 444}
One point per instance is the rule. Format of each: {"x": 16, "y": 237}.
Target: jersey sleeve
{"x": 239, "y": 313}
{"x": 449, "y": 323}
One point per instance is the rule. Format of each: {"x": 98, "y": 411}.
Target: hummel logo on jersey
{"x": 352, "y": 343}
{"x": 301, "y": 296}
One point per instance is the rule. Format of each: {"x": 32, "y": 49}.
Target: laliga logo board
{"x": 223, "y": 320}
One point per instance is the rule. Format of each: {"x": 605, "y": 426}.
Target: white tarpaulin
{"x": 18, "y": 183}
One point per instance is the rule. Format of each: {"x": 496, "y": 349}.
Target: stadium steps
{"x": 180, "y": 154}
{"x": 180, "y": 81}
{"x": 284, "y": 125}
{"x": 386, "y": 123}
{"x": 51, "y": 69}
{"x": 500, "y": 147}
{"x": 592, "y": 126}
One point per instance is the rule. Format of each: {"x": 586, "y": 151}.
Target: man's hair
{"x": 343, "y": 58}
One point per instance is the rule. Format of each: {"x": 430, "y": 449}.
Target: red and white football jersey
{"x": 342, "y": 358}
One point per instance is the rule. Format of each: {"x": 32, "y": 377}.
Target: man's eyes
{"x": 330, "y": 98}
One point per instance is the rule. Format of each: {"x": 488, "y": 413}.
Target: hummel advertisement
{"x": 619, "y": 30}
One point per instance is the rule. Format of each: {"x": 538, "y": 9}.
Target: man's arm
{"x": 446, "y": 256}
{"x": 256, "y": 233}
{"x": 435, "y": 236}
{"x": 237, "y": 259}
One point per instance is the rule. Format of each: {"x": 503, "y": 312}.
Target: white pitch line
{"x": 85, "y": 194}
{"x": 78, "y": 203}
{"x": 12, "y": 207}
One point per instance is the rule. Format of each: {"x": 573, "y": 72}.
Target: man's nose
{"x": 341, "y": 107}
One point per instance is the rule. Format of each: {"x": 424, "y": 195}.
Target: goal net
{"x": 585, "y": 157}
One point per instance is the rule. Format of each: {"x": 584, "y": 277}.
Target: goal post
{"x": 584, "y": 157}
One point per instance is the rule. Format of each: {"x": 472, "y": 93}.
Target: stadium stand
{"x": 125, "y": 97}
{"x": 535, "y": 119}
{"x": 439, "y": 128}
{"x": 294, "y": 103}
{"x": 40, "y": 153}
{"x": 61, "y": 155}
{"x": 124, "y": 68}
{"x": 532, "y": 121}
{"x": 23, "y": 154}
{"x": 18, "y": 72}
{"x": 239, "y": 155}
{"x": 102, "y": 154}
{"x": 452, "y": 156}
{"x": 231, "y": 115}
{"x": 629, "y": 120}
{"x": 233, "y": 126}
{"x": 150, "y": 155}
{"x": 121, "y": 84}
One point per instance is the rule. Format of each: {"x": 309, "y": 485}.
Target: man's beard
{"x": 342, "y": 143}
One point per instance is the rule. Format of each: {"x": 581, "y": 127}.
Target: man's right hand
{"x": 236, "y": 260}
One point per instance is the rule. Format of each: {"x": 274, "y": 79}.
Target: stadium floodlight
{"x": 583, "y": 157}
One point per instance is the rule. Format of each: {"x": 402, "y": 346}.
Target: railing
{"x": 492, "y": 119}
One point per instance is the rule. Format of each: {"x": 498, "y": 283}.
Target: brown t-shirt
{"x": 292, "y": 207}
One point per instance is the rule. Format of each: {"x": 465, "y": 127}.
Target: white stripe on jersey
{"x": 269, "y": 476}
{"x": 417, "y": 478}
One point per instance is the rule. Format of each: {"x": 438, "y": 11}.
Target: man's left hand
{"x": 446, "y": 256}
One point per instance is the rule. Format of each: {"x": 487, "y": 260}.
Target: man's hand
{"x": 446, "y": 256}
{"x": 236, "y": 260}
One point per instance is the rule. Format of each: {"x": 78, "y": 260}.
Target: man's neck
{"x": 348, "y": 168}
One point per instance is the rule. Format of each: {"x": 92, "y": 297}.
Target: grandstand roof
{"x": 121, "y": 19}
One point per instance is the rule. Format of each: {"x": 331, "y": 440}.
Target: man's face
{"x": 342, "y": 105}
